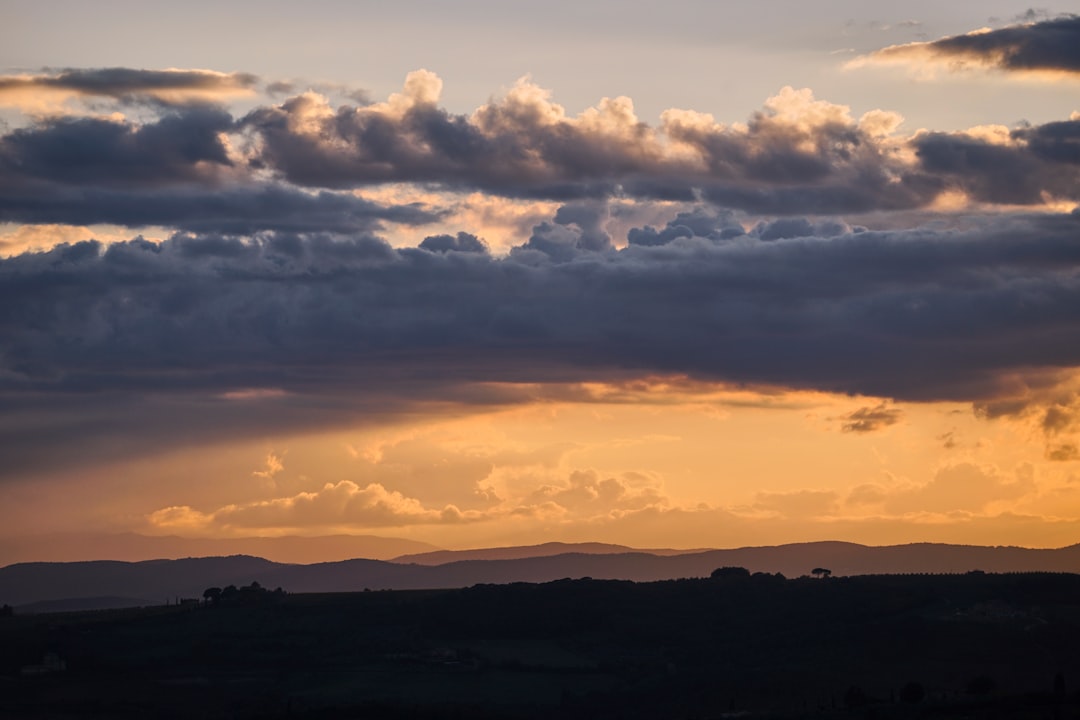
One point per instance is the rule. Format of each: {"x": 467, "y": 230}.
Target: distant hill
{"x": 441, "y": 557}
{"x": 26, "y": 583}
{"x": 160, "y": 581}
{"x": 132, "y": 547}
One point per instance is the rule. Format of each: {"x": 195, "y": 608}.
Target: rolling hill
{"x": 161, "y": 581}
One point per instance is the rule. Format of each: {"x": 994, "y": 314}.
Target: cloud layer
{"x": 855, "y": 309}
{"x": 327, "y": 266}
{"x": 795, "y": 154}
{"x": 920, "y": 314}
{"x": 196, "y": 166}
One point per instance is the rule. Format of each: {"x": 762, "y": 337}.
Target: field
{"x": 975, "y": 645}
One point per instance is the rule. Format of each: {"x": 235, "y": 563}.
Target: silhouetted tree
{"x": 727, "y": 573}
{"x": 821, "y": 572}
{"x": 229, "y": 592}
{"x": 766, "y": 577}
{"x": 252, "y": 594}
{"x": 7, "y": 611}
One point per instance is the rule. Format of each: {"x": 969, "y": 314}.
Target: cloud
{"x": 574, "y": 228}
{"x": 172, "y": 88}
{"x": 1049, "y": 46}
{"x": 340, "y": 505}
{"x": 272, "y": 467}
{"x": 1050, "y": 408}
{"x": 1029, "y": 166}
{"x": 361, "y": 504}
{"x": 587, "y": 494}
{"x": 347, "y": 325}
{"x": 462, "y": 242}
{"x": 963, "y": 487}
{"x": 1059, "y": 418}
{"x": 871, "y": 419}
{"x": 524, "y": 141}
{"x": 176, "y": 172}
{"x": 1063, "y": 452}
{"x": 181, "y": 147}
{"x": 802, "y": 154}
{"x": 236, "y": 210}
{"x": 276, "y": 276}
{"x": 798, "y": 154}
{"x": 699, "y": 222}
{"x": 422, "y": 468}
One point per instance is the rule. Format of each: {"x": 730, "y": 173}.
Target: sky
{"x": 683, "y": 274}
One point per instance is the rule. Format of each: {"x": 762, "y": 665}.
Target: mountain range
{"x": 46, "y": 586}
{"x": 132, "y": 547}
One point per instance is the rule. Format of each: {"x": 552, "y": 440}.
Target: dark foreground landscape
{"x": 944, "y": 646}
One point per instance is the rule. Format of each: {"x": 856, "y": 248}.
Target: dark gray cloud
{"x": 698, "y": 222}
{"x": 796, "y": 227}
{"x": 783, "y": 161}
{"x": 236, "y": 210}
{"x": 575, "y": 228}
{"x": 1040, "y": 162}
{"x": 349, "y": 146}
{"x": 884, "y": 288}
{"x": 181, "y": 147}
{"x": 1054, "y": 142}
{"x": 173, "y": 172}
{"x": 1058, "y": 418}
{"x": 1049, "y": 45}
{"x": 798, "y": 156}
{"x": 871, "y": 419}
{"x": 462, "y": 242}
{"x": 165, "y": 87}
{"x": 913, "y": 315}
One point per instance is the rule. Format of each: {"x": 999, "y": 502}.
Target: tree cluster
{"x": 253, "y": 594}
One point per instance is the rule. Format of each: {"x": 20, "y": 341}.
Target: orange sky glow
{"x": 249, "y": 301}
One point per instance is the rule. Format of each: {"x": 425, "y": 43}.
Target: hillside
{"x": 160, "y": 581}
{"x": 133, "y": 547}
{"x": 518, "y": 552}
{"x": 975, "y": 645}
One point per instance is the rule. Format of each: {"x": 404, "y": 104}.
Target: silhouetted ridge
{"x": 36, "y": 582}
{"x": 518, "y": 552}
{"x": 132, "y": 547}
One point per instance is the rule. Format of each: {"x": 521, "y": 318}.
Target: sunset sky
{"x": 680, "y": 274}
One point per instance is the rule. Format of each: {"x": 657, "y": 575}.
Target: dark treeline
{"x": 253, "y": 594}
{"x": 872, "y": 646}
